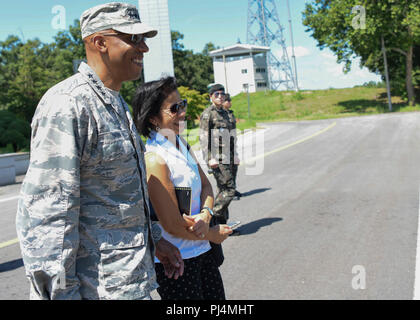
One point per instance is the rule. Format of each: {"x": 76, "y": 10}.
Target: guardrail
{"x": 12, "y": 165}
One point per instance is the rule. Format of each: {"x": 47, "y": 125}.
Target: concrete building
{"x": 159, "y": 62}
{"x": 241, "y": 67}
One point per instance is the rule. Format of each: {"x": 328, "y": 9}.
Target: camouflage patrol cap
{"x": 122, "y": 17}
{"x": 216, "y": 87}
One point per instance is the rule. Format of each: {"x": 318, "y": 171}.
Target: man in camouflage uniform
{"x": 227, "y": 104}
{"x": 215, "y": 131}
{"x": 83, "y": 219}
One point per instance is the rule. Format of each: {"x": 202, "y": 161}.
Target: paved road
{"x": 332, "y": 201}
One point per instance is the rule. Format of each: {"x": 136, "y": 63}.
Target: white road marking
{"x": 9, "y": 199}
{"x": 252, "y": 160}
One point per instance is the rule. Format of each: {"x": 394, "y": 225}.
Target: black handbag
{"x": 216, "y": 249}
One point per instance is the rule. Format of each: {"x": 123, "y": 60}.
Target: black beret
{"x": 216, "y": 87}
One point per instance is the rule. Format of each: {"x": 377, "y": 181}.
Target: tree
{"x": 192, "y": 70}
{"x": 68, "y": 46}
{"x": 26, "y": 75}
{"x": 196, "y": 104}
{"x": 13, "y": 131}
{"x": 348, "y": 35}
{"x": 28, "y": 69}
{"x": 209, "y": 47}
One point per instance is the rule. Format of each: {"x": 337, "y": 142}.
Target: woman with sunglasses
{"x": 159, "y": 114}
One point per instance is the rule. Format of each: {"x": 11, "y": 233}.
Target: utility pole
{"x": 293, "y": 47}
{"x": 249, "y": 107}
{"x": 388, "y": 90}
{"x": 224, "y": 66}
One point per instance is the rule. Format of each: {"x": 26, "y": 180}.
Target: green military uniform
{"x": 215, "y": 139}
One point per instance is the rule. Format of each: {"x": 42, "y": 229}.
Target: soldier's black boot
{"x": 237, "y": 195}
{"x": 235, "y": 233}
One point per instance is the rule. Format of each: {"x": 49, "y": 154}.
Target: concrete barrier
{"x": 21, "y": 163}
{"x": 12, "y": 164}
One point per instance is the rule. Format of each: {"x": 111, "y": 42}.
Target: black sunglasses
{"x": 219, "y": 93}
{"x": 179, "y": 107}
{"x": 135, "y": 39}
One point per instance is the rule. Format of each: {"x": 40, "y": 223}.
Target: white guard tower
{"x": 241, "y": 68}
{"x": 158, "y": 62}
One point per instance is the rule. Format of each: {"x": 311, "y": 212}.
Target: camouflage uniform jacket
{"x": 215, "y": 133}
{"x": 233, "y": 146}
{"x": 82, "y": 220}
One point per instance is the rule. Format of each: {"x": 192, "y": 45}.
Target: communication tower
{"x": 264, "y": 29}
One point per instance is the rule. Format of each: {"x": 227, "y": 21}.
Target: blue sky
{"x": 219, "y": 21}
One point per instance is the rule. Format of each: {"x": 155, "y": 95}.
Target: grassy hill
{"x": 313, "y": 105}
{"x": 304, "y": 105}
{"x": 308, "y": 105}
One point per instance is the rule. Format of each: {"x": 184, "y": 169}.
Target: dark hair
{"x": 148, "y": 100}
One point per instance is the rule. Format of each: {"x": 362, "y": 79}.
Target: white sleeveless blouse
{"x": 183, "y": 173}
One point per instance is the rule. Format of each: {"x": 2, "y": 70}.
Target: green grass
{"x": 313, "y": 105}
{"x": 192, "y": 135}
{"x": 8, "y": 149}
{"x": 304, "y": 105}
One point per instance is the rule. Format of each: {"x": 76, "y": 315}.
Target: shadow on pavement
{"x": 11, "y": 265}
{"x": 254, "y": 226}
{"x": 255, "y": 191}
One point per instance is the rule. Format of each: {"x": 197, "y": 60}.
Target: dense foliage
{"x": 356, "y": 28}
{"x": 197, "y": 102}
{"x": 28, "y": 69}
{"x": 192, "y": 70}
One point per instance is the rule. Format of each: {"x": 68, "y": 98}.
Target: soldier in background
{"x": 215, "y": 130}
{"x": 233, "y": 147}
{"x": 83, "y": 219}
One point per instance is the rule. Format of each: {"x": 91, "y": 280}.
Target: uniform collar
{"x": 92, "y": 78}
{"x": 216, "y": 108}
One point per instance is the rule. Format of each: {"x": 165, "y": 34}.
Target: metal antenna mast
{"x": 264, "y": 29}
{"x": 293, "y": 48}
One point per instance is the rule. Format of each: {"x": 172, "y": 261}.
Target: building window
{"x": 261, "y": 84}
{"x": 260, "y": 70}
{"x": 244, "y": 70}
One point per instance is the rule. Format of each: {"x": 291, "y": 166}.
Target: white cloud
{"x": 331, "y": 66}
{"x": 319, "y": 69}
{"x": 356, "y": 74}
{"x": 322, "y": 71}
{"x": 328, "y": 55}
{"x": 299, "y": 51}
